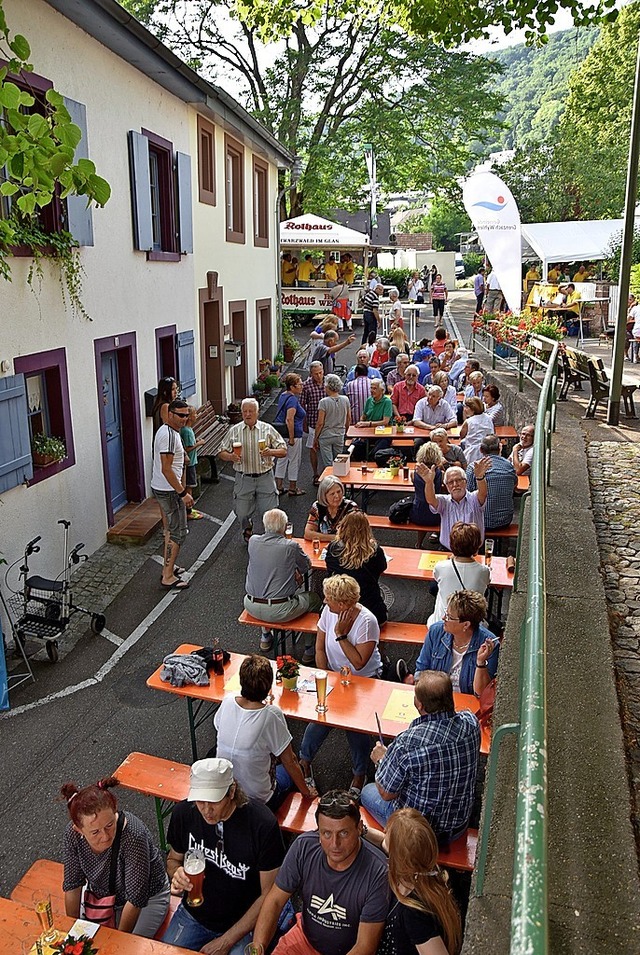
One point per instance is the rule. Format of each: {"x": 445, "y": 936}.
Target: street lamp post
{"x": 296, "y": 173}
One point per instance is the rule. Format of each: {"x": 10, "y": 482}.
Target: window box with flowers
{"x": 46, "y": 450}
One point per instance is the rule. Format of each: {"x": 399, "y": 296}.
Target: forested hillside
{"x": 535, "y": 86}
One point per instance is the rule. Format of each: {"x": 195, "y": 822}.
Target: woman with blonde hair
{"x": 398, "y": 339}
{"x": 347, "y": 635}
{"x": 356, "y": 552}
{"x": 425, "y": 915}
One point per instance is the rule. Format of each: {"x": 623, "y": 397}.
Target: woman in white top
{"x": 415, "y": 288}
{"x": 254, "y": 736}
{"x": 347, "y": 635}
{"x": 493, "y": 406}
{"x": 476, "y": 425}
{"x": 461, "y": 571}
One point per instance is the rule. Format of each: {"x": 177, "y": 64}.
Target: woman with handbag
{"x": 289, "y": 422}
{"x": 356, "y": 552}
{"x": 415, "y": 510}
{"x": 111, "y": 856}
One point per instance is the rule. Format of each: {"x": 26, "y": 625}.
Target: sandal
{"x": 177, "y": 585}
{"x": 247, "y": 534}
{"x": 354, "y": 793}
{"x": 296, "y": 492}
{"x": 316, "y": 482}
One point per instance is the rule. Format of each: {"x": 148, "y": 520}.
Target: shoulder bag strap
{"x": 115, "y": 850}
{"x": 453, "y": 564}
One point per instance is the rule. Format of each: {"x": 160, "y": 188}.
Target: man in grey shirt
{"x": 274, "y": 574}
{"x": 342, "y": 881}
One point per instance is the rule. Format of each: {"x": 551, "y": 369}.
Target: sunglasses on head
{"x": 328, "y": 802}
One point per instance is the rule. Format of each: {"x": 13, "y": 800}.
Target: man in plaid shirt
{"x": 432, "y": 766}
{"x": 312, "y": 392}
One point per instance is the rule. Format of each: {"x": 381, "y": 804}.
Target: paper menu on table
{"x": 400, "y": 708}
{"x": 382, "y": 430}
{"x": 83, "y": 927}
{"x": 429, "y": 560}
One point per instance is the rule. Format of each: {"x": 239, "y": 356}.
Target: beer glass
{"x": 405, "y": 473}
{"x": 345, "y": 673}
{"x": 253, "y": 949}
{"x": 488, "y": 551}
{"x": 29, "y": 947}
{"x": 237, "y": 448}
{"x": 288, "y": 531}
{"x": 262, "y": 445}
{"x": 194, "y": 866}
{"x": 316, "y": 546}
{"x": 45, "y": 914}
{"x": 321, "y": 690}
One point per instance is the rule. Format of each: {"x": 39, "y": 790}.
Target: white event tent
{"x": 310, "y": 231}
{"x": 551, "y": 242}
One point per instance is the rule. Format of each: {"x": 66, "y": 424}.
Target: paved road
{"x": 86, "y": 713}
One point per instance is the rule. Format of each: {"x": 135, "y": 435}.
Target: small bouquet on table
{"x": 72, "y": 945}
{"x": 288, "y": 669}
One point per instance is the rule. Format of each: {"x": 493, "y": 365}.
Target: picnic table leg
{"x": 160, "y": 820}
{"x": 192, "y": 730}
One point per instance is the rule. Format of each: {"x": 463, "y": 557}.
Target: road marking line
{"x": 228, "y": 477}
{"x": 114, "y": 638}
{"x": 133, "y": 638}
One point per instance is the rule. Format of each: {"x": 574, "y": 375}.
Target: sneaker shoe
{"x": 266, "y": 640}
{"x": 402, "y": 671}
{"x": 309, "y": 656}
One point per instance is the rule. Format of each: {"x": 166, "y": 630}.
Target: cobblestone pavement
{"x": 614, "y": 473}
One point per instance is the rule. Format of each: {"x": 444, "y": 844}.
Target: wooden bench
{"x": 574, "y": 371}
{"x": 600, "y": 390}
{"x": 46, "y": 875}
{"x": 211, "y": 429}
{"x": 392, "y": 632}
{"x": 298, "y": 814}
{"x": 380, "y": 521}
{"x": 169, "y": 781}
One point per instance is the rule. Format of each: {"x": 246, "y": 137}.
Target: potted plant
{"x": 258, "y": 388}
{"x": 264, "y": 364}
{"x": 394, "y": 464}
{"x": 234, "y": 412}
{"x": 288, "y": 340}
{"x": 288, "y": 670}
{"x": 74, "y": 945}
{"x": 278, "y": 361}
{"x": 46, "y": 450}
{"x": 271, "y": 382}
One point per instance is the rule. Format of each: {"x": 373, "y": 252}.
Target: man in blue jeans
{"x": 432, "y": 766}
{"x": 243, "y": 850}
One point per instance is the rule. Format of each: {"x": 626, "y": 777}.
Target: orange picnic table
{"x": 19, "y": 923}
{"x": 411, "y": 564}
{"x": 409, "y": 432}
{"x": 350, "y": 707}
{"x": 380, "y": 479}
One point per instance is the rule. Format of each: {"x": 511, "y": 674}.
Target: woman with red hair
{"x": 113, "y": 873}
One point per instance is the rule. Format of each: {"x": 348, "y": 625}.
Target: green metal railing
{"x": 529, "y": 911}
{"x": 523, "y": 362}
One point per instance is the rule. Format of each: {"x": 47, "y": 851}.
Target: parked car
{"x": 459, "y": 266}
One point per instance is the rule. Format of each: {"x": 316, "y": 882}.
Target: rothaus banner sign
{"x": 312, "y": 299}
{"x": 494, "y": 212}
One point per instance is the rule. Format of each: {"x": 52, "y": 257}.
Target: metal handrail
{"x": 486, "y": 342}
{"x": 529, "y": 909}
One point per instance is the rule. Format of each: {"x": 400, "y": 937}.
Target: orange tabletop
{"x": 350, "y": 707}
{"x": 373, "y": 481}
{"x": 503, "y": 431}
{"x": 18, "y": 923}
{"x": 405, "y": 562}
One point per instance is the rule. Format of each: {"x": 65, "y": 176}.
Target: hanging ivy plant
{"x": 60, "y": 248}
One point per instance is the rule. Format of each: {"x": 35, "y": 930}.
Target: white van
{"x": 460, "y": 270}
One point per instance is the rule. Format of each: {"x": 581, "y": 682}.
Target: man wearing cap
{"x": 243, "y": 851}
{"x": 341, "y": 880}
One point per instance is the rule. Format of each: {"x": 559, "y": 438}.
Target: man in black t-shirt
{"x": 243, "y": 851}
{"x": 343, "y": 883}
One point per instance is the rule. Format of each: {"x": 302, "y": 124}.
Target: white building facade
{"x": 182, "y": 258}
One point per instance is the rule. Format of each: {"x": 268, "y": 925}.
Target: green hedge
{"x": 397, "y": 277}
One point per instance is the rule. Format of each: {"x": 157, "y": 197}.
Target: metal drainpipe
{"x": 296, "y": 173}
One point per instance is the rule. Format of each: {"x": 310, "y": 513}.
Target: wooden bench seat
{"x": 392, "y": 632}
{"x": 166, "y": 781}
{"x": 298, "y": 814}
{"x": 381, "y": 521}
{"x": 578, "y": 366}
{"x": 211, "y": 429}
{"x": 46, "y": 875}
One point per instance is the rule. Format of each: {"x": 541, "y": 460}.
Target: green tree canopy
{"x": 325, "y": 90}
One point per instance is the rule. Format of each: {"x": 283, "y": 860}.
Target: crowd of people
{"x": 360, "y": 890}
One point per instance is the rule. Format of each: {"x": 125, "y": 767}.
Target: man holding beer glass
{"x": 252, "y": 447}
{"x": 225, "y": 853}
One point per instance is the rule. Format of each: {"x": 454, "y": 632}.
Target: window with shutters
{"x": 206, "y": 162}
{"x": 260, "y": 203}
{"x": 234, "y": 190}
{"x": 161, "y": 197}
{"x": 52, "y": 217}
{"x": 48, "y": 406}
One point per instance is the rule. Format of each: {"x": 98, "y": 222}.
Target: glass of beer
{"x": 321, "y": 690}
{"x": 345, "y": 673}
{"x": 194, "y": 866}
{"x": 45, "y": 914}
{"x": 288, "y": 531}
{"x": 316, "y": 546}
{"x": 237, "y": 448}
{"x": 262, "y": 445}
{"x": 488, "y": 551}
{"x": 405, "y": 473}
{"x": 253, "y": 949}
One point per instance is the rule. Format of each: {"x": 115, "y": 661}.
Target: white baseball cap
{"x": 210, "y": 780}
